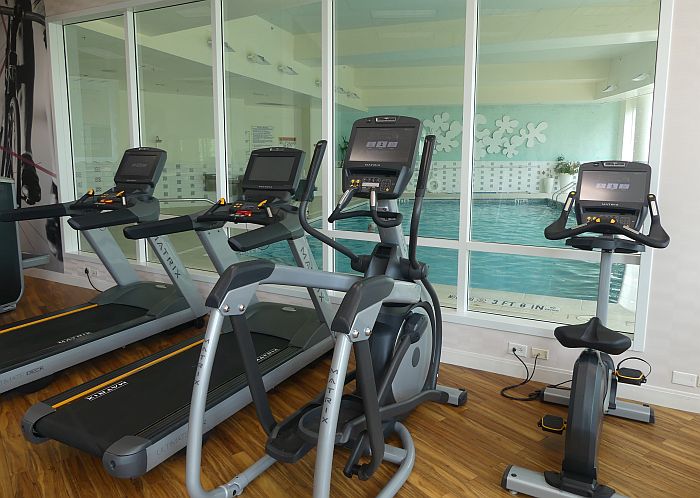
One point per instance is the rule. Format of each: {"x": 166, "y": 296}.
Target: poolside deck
{"x": 537, "y": 307}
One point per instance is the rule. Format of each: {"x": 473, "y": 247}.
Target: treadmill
{"x": 32, "y": 350}
{"x": 136, "y": 417}
{"x": 10, "y": 255}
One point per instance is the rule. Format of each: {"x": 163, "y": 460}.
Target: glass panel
{"x": 442, "y": 262}
{"x": 439, "y": 218}
{"x": 551, "y": 290}
{"x": 272, "y": 60}
{"x": 406, "y": 58}
{"x": 557, "y": 85}
{"x": 96, "y": 67}
{"x": 177, "y": 110}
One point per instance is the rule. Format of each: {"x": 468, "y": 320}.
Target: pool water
{"x": 503, "y": 221}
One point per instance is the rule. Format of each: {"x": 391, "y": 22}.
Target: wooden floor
{"x": 460, "y": 451}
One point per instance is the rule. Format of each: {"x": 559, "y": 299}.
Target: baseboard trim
{"x": 653, "y": 395}
{"x": 61, "y": 278}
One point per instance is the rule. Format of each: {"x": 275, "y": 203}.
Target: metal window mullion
{"x": 468, "y": 111}
{"x": 328, "y": 123}
{"x": 132, "y": 99}
{"x": 65, "y": 168}
{"x": 219, "y": 88}
{"x": 663, "y": 52}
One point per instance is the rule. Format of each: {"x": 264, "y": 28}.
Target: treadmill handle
{"x": 168, "y": 226}
{"x": 36, "y": 212}
{"x": 260, "y": 237}
{"x": 104, "y": 219}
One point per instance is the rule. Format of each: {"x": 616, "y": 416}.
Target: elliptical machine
{"x": 612, "y": 199}
{"x": 390, "y": 317}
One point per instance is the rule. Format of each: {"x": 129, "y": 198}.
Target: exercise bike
{"x": 390, "y": 317}
{"x": 612, "y": 199}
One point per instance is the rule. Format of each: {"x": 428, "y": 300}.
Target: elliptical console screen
{"x": 383, "y": 145}
{"x": 613, "y": 186}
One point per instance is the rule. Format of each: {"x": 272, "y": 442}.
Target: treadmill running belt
{"x": 141, "y": 400}
{"x": 34, "y": 342}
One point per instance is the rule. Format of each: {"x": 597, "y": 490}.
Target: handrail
{"x": 568, "y": 186}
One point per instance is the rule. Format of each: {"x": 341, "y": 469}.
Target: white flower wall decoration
{"x": 446, "y": 132}
{"x": 505, "y": 139}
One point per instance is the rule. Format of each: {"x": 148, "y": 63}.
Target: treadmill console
{"x": 613, "y": 192}
{"x": 271, "y": 177}
{"x": 140, "y": 169}
{"x": 381, "y": 156}
{"x": 273, "y": 171}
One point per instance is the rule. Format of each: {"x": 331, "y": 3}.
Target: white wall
{"x": 673, "y": 333}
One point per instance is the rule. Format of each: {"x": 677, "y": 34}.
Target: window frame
{"x": 464, "y": 246}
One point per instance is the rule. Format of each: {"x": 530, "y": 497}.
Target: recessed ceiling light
{"x": 258, "y": 59}
{"x": 641, "y": 77}
{"x": 227, "y": 47}
{"x": 286, "y": 70}
{"x": 609, "y": 88}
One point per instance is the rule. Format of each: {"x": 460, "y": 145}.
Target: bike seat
{"x": 594, "y": 335}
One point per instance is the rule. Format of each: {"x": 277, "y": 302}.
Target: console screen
{"x": 383, "y": 145}
{"x": 614, "y": 186}
{"x": 137, "y": 167}
{"x": 272, "y": 169}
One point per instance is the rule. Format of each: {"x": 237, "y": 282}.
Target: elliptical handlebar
{"x": 657, "y": 236}
{"x": 314, "y": 169}
{"x": 423, "y": 173}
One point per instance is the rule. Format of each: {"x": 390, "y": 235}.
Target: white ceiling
{"x": 385, "y": 33}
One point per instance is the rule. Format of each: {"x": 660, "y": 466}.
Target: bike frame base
{"x": 521, "y": 480}
{"x": 623, "y": 409}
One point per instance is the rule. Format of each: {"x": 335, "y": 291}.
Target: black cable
{"x": 528, "y": 377}
{"x": 558, "y": 386}
{"x": 87, "y": 273}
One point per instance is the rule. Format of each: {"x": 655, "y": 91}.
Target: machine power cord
{"x": 87, "y": 274}
{"x": 528, "y": 377}
{"x": 536, "y": 394}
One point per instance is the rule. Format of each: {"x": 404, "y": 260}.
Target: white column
{"x": 642, "y": 127}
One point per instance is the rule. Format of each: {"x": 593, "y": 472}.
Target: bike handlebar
{"x": 657, "y": 236}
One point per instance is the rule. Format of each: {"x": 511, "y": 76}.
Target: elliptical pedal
{"x": 553, "y": 424}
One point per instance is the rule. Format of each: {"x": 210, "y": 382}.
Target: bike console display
{"x": 612, "y": 198}
{"x": 380, "y": 156}
{"x": 614, "y": 192}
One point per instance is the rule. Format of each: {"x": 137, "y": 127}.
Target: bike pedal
{"x": 630, "y": 376}
{"x": 553, "y": 424}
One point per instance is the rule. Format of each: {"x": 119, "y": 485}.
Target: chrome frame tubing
{"x": 360, "y": 331}
{"x": 235, "y": 302}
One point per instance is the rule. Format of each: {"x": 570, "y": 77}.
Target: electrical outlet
{"x": 520, "y": 349}
{"x": 684, "y": 379}
{"x": 544, "y": 353}
{"x": 92, "y": 272}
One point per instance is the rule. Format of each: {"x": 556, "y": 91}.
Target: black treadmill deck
{"x": 151, "y": 398}
{"x": 40, "y": 337}
{"x": 139, "y": 402}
